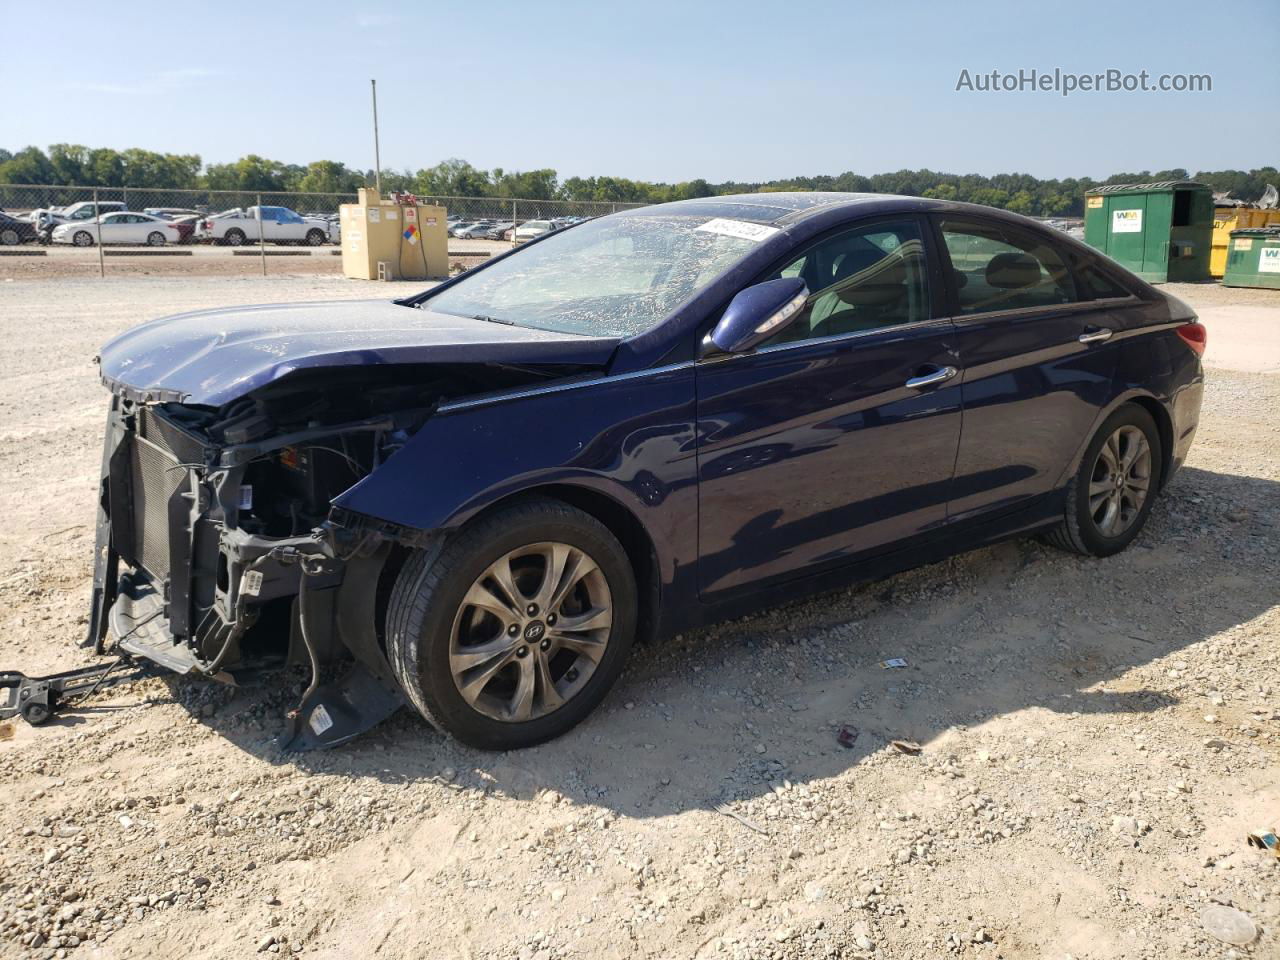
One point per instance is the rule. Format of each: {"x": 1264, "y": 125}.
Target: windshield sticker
{"x": 754, "y": 232}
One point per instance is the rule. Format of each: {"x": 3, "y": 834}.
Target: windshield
{"x": 613, "y": 277}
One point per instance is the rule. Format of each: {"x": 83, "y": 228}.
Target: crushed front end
{"x": 212, "y": 522}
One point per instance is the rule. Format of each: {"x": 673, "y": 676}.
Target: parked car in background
{"x": 277, "y": 225}
{"x": 456, "y": 229}
{"x": 477, "y": 231}
{"x": 14, "y": 231}
{"x": 174, "y": 213}
{"x": 532, "y": 229}
{"x": 484, "y": 493}
{"x": 497, "y": 230}
{"x": 46, "y": 219}
{"x": 126, "y": 227}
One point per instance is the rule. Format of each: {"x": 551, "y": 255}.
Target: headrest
{"x": 1013, "y": 271}
{"x": 876, "y": 285}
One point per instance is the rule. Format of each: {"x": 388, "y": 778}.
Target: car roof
{"x": 771, "y": 208}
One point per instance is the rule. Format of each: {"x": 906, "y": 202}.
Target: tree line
{"x": 65, "y": 164}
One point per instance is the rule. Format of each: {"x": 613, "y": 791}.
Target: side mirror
{"x": 755, "y": 314}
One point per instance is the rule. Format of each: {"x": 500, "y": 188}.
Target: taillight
{"x": 1195, "y": 336}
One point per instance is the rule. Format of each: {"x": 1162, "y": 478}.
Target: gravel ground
{"x": 1097, "y": 738}
{"x": 59, "y": 262}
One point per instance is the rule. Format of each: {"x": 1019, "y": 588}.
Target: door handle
{"x": 940, "y": 375}
{"x": 1094, "y": 336}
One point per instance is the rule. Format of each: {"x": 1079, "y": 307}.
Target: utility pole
{"x": 377, "y": 157}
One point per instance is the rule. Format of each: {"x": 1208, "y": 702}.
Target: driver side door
{"x": 837, "y": 439}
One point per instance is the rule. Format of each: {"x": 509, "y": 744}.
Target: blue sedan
{"x": 479, "y": 497}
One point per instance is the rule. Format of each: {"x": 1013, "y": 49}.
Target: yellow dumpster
{"x": 1226, "y": 219}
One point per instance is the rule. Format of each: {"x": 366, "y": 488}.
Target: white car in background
{"x": 278, "y": 225}
{"x": 122, "y": 227}
{"x": 532, "y": 229}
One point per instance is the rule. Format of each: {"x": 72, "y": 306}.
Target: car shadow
{"x": 726, "y": 713}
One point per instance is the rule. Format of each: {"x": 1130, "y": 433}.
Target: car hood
{"x": 211, "y": 357}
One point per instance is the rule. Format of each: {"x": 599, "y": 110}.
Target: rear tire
{"x": 234, "y": 238}
{"x": 438, "y": 638}
{"x": 9, "y": 237}
{"x": 155, "y": 239}
{"x": 1102, "y": 514}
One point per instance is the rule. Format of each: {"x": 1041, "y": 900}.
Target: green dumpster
{"x": 1253, "y": 258}
{"x": 1161, "y": 231}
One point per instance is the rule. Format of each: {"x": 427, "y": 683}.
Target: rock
{"x": 52, "y": 855}
{"x": 557, "y": 894}
{"x": 814, "y": 891}
{"x": 783, "y": 934}
{"x": 1228, "y": 924}
{"x": 761, "y": 748}
{"x": 266, "y": 943}
{"x": 1125, "y": 826}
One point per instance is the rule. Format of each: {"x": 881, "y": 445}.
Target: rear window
{"x": 999, "y": 267}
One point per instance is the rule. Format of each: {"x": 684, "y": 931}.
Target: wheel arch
{"x": 621, "y": 521}
{"x": 1164, "y": 424}
{"x": 1159, "y": 413}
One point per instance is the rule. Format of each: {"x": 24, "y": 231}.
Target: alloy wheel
{"x": 9, "y": 237}
{"x": 1121, "y": 481}
{"x": 530, "y": 632}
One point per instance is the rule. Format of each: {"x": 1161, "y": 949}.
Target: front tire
{"x": 510, "y": 633}
{"x": 83, "y": 238}
{"x": 315, "y": 238}
{"x": 1110, "y": 497}
{"x": 9, "y": 237}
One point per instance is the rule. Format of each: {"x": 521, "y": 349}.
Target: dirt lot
{"x": 1098, "y": 737}
{"x": 61, "y": 262}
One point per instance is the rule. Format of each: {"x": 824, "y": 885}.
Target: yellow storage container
{"x": 393, "y": 240}
{"x": 1226, "y": 219}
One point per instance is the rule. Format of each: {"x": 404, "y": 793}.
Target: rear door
{"x": 1038, "y": 360}
{"x": 118, "y": 228}
{"x": 836, "y": 439}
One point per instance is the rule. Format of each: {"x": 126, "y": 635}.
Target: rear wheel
{"x": 1110, "y": 497}
{"x": 155, "y": 239}
{"x": 9, "y": 237}
{"x": 234, "y": 238}
{"x": 515, "y": 630}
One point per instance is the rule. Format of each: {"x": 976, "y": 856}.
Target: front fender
{"x": 630, "y": 437}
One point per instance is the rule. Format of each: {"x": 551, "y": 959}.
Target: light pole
{"x": 377, "y": 158}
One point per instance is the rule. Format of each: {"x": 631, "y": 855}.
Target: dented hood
{"x": 213, "y": 356}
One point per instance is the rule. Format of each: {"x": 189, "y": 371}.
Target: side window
{"x": 1095, "y": 284}
{"x": 868, "y": 277}
{"x": 997, "y": 267}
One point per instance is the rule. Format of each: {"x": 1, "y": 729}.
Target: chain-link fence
{"x": 69, "y": 230}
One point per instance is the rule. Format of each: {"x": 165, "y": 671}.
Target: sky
{"x": 659, "y": 90}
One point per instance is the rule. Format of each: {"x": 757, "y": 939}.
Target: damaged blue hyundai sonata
{"x": 475, "y": 500}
